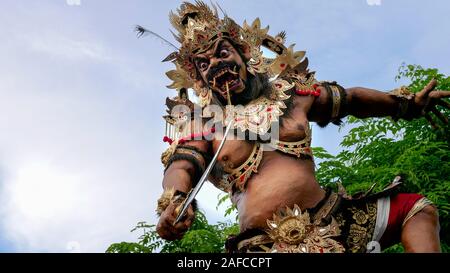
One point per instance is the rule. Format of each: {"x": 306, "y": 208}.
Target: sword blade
{"x": 191, "y": 195}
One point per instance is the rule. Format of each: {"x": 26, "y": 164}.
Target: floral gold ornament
{"x": 404, "y": 96}
{"x": 292, "y": 231}
{"x": 362, "y": 227}
{"x": 259, "y": 114}
{"x": 288, "y": 58}
{"x": 360, "y": 217}
{"x": 254, "y": 35}
{"x": 180, "y": 78}
{"x": 402, "y": 92}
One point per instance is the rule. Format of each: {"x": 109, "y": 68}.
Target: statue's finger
{"x": 180, "y": 227}
{"x": 171, "y": 209}
{"x": 440, "y": 94}
{"x": 428, "y": 88}
{"x": 439, "y": 115}
{"x": 431, "y": 121}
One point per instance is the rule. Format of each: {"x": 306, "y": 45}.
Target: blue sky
{"x": 81, "y": 100}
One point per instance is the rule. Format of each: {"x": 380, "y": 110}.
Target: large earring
{"x": 205, "y": 97}
{"x": 258, "y": 63}
{"x": 204, "y": 94}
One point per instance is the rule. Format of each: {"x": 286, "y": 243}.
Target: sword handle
{"x": 179, "y": 208}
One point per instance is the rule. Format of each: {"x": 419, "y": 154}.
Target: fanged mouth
{"x": 226, "y": 79}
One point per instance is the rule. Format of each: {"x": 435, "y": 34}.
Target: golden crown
{"x": 199, "y": 27}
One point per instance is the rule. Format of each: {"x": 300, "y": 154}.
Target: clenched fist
{"x": 166, "y": 228}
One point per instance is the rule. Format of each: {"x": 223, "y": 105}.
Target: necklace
{"x": 258, "y": 115}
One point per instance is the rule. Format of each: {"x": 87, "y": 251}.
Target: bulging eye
{"x": 203, "y": 66}
{"x": 224, "y": 53}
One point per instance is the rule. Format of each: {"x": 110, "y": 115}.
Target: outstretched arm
{"x": 363, "y": 102}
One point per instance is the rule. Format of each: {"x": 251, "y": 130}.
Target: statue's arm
{"x": 184, "y": 162}
{"x": 334, "y": 104}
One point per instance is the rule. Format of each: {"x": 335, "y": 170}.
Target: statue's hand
{"x": 426, "y": 101}
{"x": 167, "y": 230}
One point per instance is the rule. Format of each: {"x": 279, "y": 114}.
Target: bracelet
{"x": 170, "y": 195}
{"x": 404, "y": 97}
{"x": 402, "y": 92}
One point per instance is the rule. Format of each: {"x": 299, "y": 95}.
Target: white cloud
{"x": 38, "y": 188}
{"x": 57, "y": 45}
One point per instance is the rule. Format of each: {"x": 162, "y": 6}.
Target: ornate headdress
{"x": 199, "y": 27}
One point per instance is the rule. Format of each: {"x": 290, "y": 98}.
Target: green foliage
{"x": 230, "y": 209}
{"x": 200, "y": 238}
{"x": 376, "y": 150}
{"x": 148, "y": 241}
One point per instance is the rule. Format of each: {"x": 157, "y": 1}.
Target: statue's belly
{"x": 281, "y": 181}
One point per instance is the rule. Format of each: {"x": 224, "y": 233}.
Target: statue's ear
{"x": 246, "y": 51}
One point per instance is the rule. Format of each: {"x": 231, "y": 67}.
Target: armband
{"x": 337, "y": 102}
{"x": 191, "y": 154}
{"x": 404, "y": 97}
